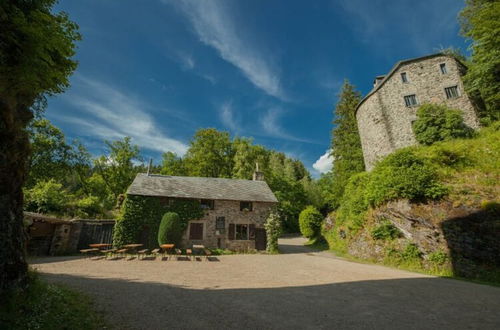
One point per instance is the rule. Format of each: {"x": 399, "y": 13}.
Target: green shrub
{"x": 403, "y": 174}
{"x": 354, "y": 203}
{"x": 88, "y": 206}
{"x": 170, "y": 230}
{"x": 273, "y": 231}
{"x": 411, "y": 252}
{"x": 310, "y": 222}
{"x": 439, "y": 123}
{"x": 386, "y": 230}
{"x": 46, "y": 197}
{"x": 438, "y": 257}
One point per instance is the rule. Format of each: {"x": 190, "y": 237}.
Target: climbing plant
{"x": 141, "y": 212}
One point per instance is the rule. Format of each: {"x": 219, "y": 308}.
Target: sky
{"x": 158, "y": 70}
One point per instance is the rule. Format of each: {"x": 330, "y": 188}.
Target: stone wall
{"x": 384, "y": 121}
{"x": 231, "y": 211}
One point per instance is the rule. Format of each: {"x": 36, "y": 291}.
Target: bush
{"x": 438, "y": 257}
{"x": 385, "y": 231}
{"x": 439, "y": 123}
{"x": 310, "y": 222}
{"x": 88, "y": 206}
{"x": 46, "y": 197}
{"x": 403, "y": 174}
{"x": 170, "y": 230}
{"x": 411, "y": 252}
{"x": 354, "y": 204}
{"x": 273, "y": 231}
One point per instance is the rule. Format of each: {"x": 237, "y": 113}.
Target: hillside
{"x": 433, "y": 209}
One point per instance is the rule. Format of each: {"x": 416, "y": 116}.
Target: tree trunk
{"x": 14, "y": 152}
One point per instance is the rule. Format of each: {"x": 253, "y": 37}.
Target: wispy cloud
{"x": 109, "y": 113}
{"x": 227, "y": 116}
{"x": 215, "y": 27}
{"x": 271, "y": 126}
{"x": 421, "y": 25}
{"x": 324, "y": 163}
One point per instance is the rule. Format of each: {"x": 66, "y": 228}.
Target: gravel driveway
{"x": 298, "y": 289}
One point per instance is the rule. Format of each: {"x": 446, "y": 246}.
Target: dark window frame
{"x": 220, "y": 223}
{"x": 239, "y": 233}
{"x": 200, "y": 224}
{"x": 246, "y": 206}
{"x": 443, "y": 68}
{"x": 452, "y": 92}
{"x": 411, "y": 100}
{"x": 404, "y": 78}
{"x": 207, "y": 204}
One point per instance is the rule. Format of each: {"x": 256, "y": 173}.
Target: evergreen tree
{"x": 346, "y": 144}
{"x": 480, "y": 22}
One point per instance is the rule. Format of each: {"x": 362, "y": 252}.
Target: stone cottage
{"x": 386, "y": 114}
{"x": 234, "y": 210}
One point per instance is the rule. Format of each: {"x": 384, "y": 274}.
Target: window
{"x": 207, "y": 204}
{"x": 451, "y": 92}
{"x": 404, "y": 77}
{"x": 442, "y": 66}
{"x": 411, "y": 100}
{"x": 242, "y": 232}
{"x": 196, "y": 231}
{"x": 246, "y": 206}
{"x": 220, "y": 223}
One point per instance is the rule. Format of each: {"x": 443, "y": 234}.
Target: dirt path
{"x": 297, "y": 289}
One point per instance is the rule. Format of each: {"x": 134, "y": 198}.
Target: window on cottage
{"x": 411, "y": 100}
{"x": 451, "y": 92}
{"x": 246, "y": 206}
{"x": 220, "y": 223}
{"x": 443, "y": 68}
{"x": 404, "y": 77}
{"x": 196, "y": 231}
{"x": 207, "y": 204}
{"x": 242, "y": 232}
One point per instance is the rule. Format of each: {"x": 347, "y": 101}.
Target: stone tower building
{"x": 386, "y": 114}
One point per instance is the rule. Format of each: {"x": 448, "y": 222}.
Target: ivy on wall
{"x": 143, "y": 214}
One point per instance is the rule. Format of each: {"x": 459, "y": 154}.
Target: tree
{"x": 346, "y": 143}
{"x": 210, "y": 154}
{"x": 480, "y": 21}
{"x": 310, "y": 222}
{"x": 50, "y": 154}
{"x": 439, "y": 123}
{"x": 246, "y": 156}
{"x": 170, "y": 230}
{"x": 36, "y": 50}
{"x": 117, "y": 169}
{"x": 172, "y": 164}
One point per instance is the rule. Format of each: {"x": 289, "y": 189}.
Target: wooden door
{"x": 260, "y": 239}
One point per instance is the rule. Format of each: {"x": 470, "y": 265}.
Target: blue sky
{"x": 158, "y": 70}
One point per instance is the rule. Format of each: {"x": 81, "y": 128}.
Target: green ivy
{"x": 139, "y": 212}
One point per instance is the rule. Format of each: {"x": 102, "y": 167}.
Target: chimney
{"x": 257, "y": 175}
{"x": 150, "y": 165}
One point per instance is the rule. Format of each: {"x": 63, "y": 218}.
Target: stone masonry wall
{"x": 384, "y": 121}
{"x": 231, "y": 211}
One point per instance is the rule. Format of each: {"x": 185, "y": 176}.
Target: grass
{"x": 48, "y": 306}
{"x": 317, "y": 243}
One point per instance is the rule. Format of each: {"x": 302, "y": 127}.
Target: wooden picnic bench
{"x": 89, "y": 252}
{"x": 208, "y": 253}
{"x": 142, "y": 253}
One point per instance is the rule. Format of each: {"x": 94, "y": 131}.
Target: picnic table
{"x": 100, "y": 245}
{"x": 167, "y": 247}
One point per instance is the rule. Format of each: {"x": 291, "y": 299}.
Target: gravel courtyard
{"x": 297, "y": 289}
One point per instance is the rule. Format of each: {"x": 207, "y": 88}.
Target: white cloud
{"x": 111, "y": 114}
{"x": 226, "y": 114}
{"x": 215, "y": 27}
{"x": 324, "y": 163}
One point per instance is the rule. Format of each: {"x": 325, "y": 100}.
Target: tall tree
{"x": 172, "y": 164}
{"x": 480, "y": 21}
{"x": 117, "y": 168}
{"x": 210, "y": 154}
{"x": 246, "y": 156}
{"x": 346, "y": 144}
{"x": 36, "y": 47}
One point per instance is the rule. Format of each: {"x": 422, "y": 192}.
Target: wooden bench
{"x": 108, "y": 252}
{"x": 189, "y": 254}
{"x": 142, "y": 253}
{"x": 121, "y": 251}
{"x": 89, "y": 252}
{"x": 178, "y": 252}
{"x": 208, "y": 253}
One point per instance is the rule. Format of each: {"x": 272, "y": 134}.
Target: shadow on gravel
{"x": 423, "y": 303}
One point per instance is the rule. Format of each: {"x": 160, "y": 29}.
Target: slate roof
{"x": 201, "y": 188}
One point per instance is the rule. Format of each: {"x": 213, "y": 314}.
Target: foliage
{"x": 273, "y": 231}
{"x": 385, "y": 231}
{"x": 210, "y": 154}
{"x": 89, "y": 206}
{"x": 170, "y": 230}
{"x": 346, "y": 144}
{"x": 46, "y": 197}
{"x": 48, "y": 306}
{"x": 117, "y": 168}
{"x": 404, "y": 174}
{"x": 480, "y": 21}
{"x": 438, "y": 257}
{"x": 354, "y": 205}
{"x": 439, "y": 123}
{"x": 310, "y": 222}
{"x": 141, "y": 212}
{"x": 172, "y": 165}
